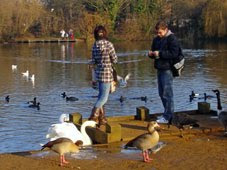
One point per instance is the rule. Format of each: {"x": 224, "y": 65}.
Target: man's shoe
{"x": 162, "y": 120}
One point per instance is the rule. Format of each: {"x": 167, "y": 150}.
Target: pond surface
{"x": 63, "y": 67}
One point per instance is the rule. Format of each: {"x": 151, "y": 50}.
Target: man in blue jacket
{"x": 164, "y": 50}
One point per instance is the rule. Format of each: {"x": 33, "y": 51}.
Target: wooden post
{"x": 114, "y": 132}
{"x": 76, "y": 118}
{"x": 203, "y": 107}
{"x": 142, "y": 113}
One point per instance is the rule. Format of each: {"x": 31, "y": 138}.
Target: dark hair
{"x": 100, "y": 32}
{"x": 161, "y": 25}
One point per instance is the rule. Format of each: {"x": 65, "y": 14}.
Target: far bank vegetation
{"x": 124, "y": 19}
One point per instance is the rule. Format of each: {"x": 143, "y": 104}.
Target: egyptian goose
{"x": 146, "y": 141}
{"x": 62, "y": 146}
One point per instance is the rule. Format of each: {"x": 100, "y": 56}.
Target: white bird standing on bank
{"x": 123, "y": 81}
{"x": 26, "y": 74}
{"x": 69, "y": 130}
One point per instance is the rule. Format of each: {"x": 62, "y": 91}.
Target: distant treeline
{"x": 124, "y": 19}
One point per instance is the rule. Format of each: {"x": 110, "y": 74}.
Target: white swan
{"x": 69, "y": 130}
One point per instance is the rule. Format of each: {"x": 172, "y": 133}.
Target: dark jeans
{"x": 165, "y": 88}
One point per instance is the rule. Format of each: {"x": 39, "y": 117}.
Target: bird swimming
{"x": 122, "y": 99}
{"x": 63, "y": 94}
{"x": 14, "y": 67}
{"x": 69, "y": 130}
{"x": 69, "y": 98}
{"x": 36, "y": 105}
{"x": 62, "y": 146}
{"x": 142, "y": 98}
{"x": 32, "y": 78}
{"x": 193, "y": 95}
{"x": 206, "y": 97}
{"x": 7, "y": 98}
{"x": 32, "y": 101}
{"x": 146, "y": 141}
{"x": 123, "y": 81}
{"x": 25, "y": 74}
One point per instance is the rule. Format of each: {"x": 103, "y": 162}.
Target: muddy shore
{"x": 197, "y": 151}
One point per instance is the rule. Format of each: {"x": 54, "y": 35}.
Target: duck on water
{"x": 71, "y": 98}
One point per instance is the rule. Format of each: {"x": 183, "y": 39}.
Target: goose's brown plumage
{"x": 62, "y": 146}
{"x": 146, "y": 141}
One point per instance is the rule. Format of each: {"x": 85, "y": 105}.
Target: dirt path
{"x": 200, "y": 151}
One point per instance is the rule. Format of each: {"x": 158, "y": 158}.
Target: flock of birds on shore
{"x": 64, "y": 137}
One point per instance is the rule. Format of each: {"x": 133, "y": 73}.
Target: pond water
{"x": 63, "y": 67}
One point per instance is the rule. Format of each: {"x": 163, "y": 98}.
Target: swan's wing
{"x": 119, "y": 78}
{"x": 127, "y": 77}
{"x": 66, "y": 130}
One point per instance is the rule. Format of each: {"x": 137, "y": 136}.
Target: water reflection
{"x": 63, "y": 67}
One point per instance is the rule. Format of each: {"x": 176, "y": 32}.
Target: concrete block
{"x": 112, "y": 127}
{"x": 112, "y": 134}
{"x": 113, "y": 131}
{"x": 142, "y": 113}
{"x": 113, "y": 137}
{"x": 203, "y": 107}
{"x": 97, "y": 135}
{"x": 76, "y": 118}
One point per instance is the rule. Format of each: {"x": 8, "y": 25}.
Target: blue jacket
{"x": 169, "y": 50}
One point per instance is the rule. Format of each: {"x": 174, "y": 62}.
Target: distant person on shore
{"x": 103, "y": 57}
{"x": 164, "y": 49}
{"x": 71, "y": 35}
{"x": 62, "y": 32}
{"x": 66, "y": 35}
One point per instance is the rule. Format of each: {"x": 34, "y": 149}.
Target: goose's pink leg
{"x": 148, "y": 159}
{"x": 62, "y": 160}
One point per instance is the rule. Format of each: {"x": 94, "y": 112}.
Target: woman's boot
{"x": 102, "y": 118}
{"x": 95, "y": 113}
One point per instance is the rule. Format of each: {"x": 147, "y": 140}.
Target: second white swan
{"x": 69, "y": 130}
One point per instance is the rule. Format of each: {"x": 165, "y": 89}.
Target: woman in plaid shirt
{"x": 103, "y": 56}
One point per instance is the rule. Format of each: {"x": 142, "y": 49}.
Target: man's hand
{"x": 153, "y": 54}
{"x": 156, "y": 54}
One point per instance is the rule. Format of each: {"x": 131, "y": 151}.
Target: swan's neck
{"x": 85, "y": 135}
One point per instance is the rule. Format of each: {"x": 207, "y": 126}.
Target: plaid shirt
{"x": 103, "y": 56}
